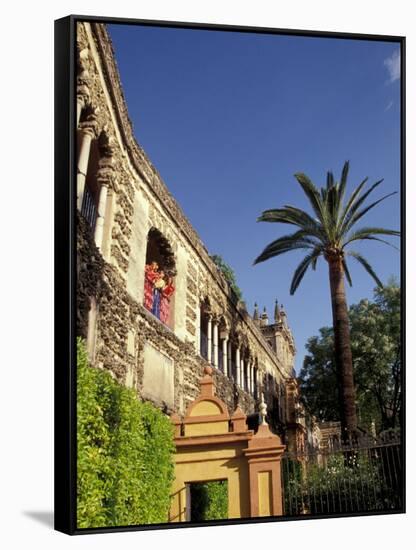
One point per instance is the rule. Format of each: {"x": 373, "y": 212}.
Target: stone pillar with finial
{"x": 283, "y": 315}
{"x": 264, "y": 453}
{"x": 276, "y": 312}
{"x": 264, "y": 318}
{"x": 256, "y": 318}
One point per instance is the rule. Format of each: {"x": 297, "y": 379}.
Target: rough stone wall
{"x": 90, "y": 265}
{"x": 122, "y": 326}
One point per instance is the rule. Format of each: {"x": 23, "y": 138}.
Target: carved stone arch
{"x": 244, "y": 340}
{"x": 205, "y": 340}
{"x": 159, "y": 283}
{"x": 160, "y": 250}
{"x": 237, "y": 337}
{"x": 250, "y": 355}
{"x": 223, "y": 324}
{"x": 106, "y": 142}
{"x": 205, "y": 305}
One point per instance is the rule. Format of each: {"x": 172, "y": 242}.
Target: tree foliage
{"x": 330, "y": 230}
{"x": 376, "y": 346}
{"x": 327, "y": 232}
{"x": 209, "y": 500}
{"x": 124, "y": 458}
{"x": 228, "y": 273}
{"x": 339, "y": 485}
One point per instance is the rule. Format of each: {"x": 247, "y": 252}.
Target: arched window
{"x": 233, "y": 349}
{"x": 95, "y": 173}
{"x": 245, "y": 374}
{"x": 204, "y": 326}
{"x": 159, "y": 284}
{"x": 91, "y": 192}
{"x": 222, "y": 335}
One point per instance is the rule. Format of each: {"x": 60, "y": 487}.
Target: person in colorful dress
{"x": 167, "y": 293}
{"x": 158, "y": 287}
{"x": 151, "y": 274}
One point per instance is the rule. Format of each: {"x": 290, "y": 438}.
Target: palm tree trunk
{"x": 343, "y": 356}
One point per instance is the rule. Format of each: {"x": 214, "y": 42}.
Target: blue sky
{"x": 228, "y": 118}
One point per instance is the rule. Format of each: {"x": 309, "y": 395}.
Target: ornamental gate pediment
{"x": 211, "y": 445}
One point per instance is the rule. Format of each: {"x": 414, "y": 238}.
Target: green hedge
{"x": 125, "y": 453}
{"x": 209, "y": 500}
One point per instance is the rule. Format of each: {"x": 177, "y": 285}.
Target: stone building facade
{"x": 127, "y": 218}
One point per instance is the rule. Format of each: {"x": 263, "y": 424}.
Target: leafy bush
{"x": 209, "y": 500}
{"x": 125, "y": 448}
{"x": 229, "y": 275}
{"x": 353, "y": 481}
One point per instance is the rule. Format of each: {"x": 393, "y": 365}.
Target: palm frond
{"x": 312, "y": 194}
{"x": 302, "y": 268}
{"x": 343, "y": 181}
{"x": 329, "y": 180}
{"x": 347, "y": 272}
{"x": 332, "y": 206}
{"x": 351, "y": 201}
{"x": 354, "y": 219}
{"x": 366, "y": 266}
{"x": 354, "y": 206}
{"x": 299, "y": 239}
{"x": 293, "y": 216}
{"x": 367, "y": 233}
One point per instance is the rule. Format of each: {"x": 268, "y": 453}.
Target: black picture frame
{"x": 65, "y": 259}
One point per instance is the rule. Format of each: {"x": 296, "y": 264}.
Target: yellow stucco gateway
{"x": 213, "y": 446}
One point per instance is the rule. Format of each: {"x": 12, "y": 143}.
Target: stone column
{"x": 87, "y": 133}
{"x": 264, "y": 453}
{"x": 251, "y": 378}
{"x": 80, "y": 106}
{"x": 215, "y": 362}
{"x": 237, "y": 365}
{"x": 209, "y": 339}
{"x": 224, "y": 355}
{"x": 230, "y": 359}
{"x": 242, "y": 377}
{"x": 105, "y": 175}
{"x": 198, "y": 330}
{"x": 99, "y": 224}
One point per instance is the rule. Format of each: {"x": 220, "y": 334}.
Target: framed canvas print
{"x": 186, "y": 393}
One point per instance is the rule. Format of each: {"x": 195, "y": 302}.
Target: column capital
{"x": 106, "y": 171}
{"x": 89, "y": 125}
{"x": 89, "y": 128}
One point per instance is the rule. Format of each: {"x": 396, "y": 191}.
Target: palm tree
{"x": 328, "y": 233}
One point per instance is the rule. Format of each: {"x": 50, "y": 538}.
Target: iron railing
{"x": 89, "y": 208}
{"x": 204, "y": 345}
{"x": 360, "y": 476}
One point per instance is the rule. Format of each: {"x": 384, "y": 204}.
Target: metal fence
{"x": 89, "y": 208}
{"x": 360, "y": 476}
